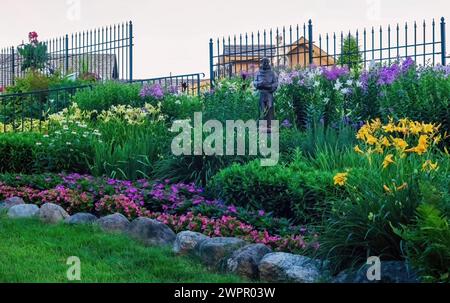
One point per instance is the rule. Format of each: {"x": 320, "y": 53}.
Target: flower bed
{"x": 180, "y": 206}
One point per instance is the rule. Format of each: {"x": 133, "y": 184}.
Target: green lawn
{"x": 34, "y": 252}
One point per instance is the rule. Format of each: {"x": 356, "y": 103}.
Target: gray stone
{"x": 283, "y": 267}
{"x": 23, "y": 211}
{"x": 391, "y": 272}
{"x": 151, "y": 232}
{"x": 81, "y": 218}
{"x": 245, "y": 261}
{"x": 10, "y": 202}
{"x": 214, "y": 252}
{"x": 114, "y": 223}
{"x": 52, "y": 213}
{"x": 187, "y": 242}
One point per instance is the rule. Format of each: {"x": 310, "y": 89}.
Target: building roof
{"x": 255, "y": 50}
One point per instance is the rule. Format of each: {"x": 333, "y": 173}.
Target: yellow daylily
{"x": 430, "y": 166}
{"x": 340, "y": 179}
{"x": 399, "y": 143}
{"x": 402, "y": 187}
{"x": 387, "y": 189}
{"x": 388, "y": 161}
{"x": 358, "y": 150}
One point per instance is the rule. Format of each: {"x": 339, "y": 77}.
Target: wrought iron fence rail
{"x": 423, "y": 42}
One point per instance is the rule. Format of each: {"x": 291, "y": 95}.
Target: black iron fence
{"x": 30, "y": 111}
{"x": 191, "y": 84}
{"x": 105, "y": 53}
{"x": 297, "y": 46}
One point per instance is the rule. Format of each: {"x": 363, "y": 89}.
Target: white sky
{"x": 172, "y": 35}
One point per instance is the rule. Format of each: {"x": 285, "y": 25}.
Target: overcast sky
{"x": 172, "y": 35}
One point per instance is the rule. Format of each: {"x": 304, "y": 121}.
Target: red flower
{"x": 32, "y": 36}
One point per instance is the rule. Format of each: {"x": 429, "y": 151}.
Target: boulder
{"x": 284, "y": 267}
{"x": 213, "y": 252}
{"x": 81, "y": 218}
{"x": 114, "y": 223}
{"x": 10, "y": 202}
{"x": 23, "y": 211}
{"x": 52, "y": 213}
{"x": 151, "y": 232}
{"x": 245, "y": 261}
{"x": 391, "y": 272}
{"x": 187, "y": 242}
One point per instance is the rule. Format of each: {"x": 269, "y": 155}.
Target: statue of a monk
{"x": 266, "y": 82}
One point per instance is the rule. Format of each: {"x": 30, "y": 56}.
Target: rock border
{"x": 256, "y": 262}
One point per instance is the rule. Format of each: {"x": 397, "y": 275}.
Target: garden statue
{"x": 267, "y": 83}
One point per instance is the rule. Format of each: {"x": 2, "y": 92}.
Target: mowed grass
{"x": 31, "y": 252}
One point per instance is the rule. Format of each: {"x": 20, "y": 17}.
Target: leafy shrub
{"x": 17, "y": 152}
{"x": 384, "y": 192}
{"x": 34, "y": 54}
{"x": 232, "y": 100}
{"x": 179, "y": 107}
{"x": 196, "y": 169}
{"x": 37, "y": 181}
{"x": 288, "y": 192}
{"x": 103, "y": 96}
{"x": 68, "y": 149}
{"x": 428, "y": 243}
{"x": 130, "y": 151}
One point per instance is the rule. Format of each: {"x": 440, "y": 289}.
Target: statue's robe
{"x": 267, "y": 83}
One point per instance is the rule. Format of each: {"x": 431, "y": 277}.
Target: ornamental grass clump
{"x": 402, "y": 161}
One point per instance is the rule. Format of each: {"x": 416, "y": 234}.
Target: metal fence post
{"x": 211, "y": 63}
{"x": 443, "y": 42}
{"x": 131, "y": 51}
{"x": 310, "y": 42}
{"x": 13, "y": 65}
{"x": 66, "y": 61}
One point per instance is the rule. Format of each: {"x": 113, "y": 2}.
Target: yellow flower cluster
{"x": 406, "y": 136}
{"x": 394, "y": 142}
{"x": 126, "y": 113}
{"x": 25, "y": 125}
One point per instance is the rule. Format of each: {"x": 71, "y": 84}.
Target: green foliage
{"x": 232, "y": 100}
{"x": 359, "y": 219}
{"x": 196, "y": 169}
{"x": 103, "y": 96}
{"x": 16, "y": 151}
{"x": 428, "y": 244}
{"x": 180, "y": 107}
{"x": 39, "y": 181}
{"x": 350, "y": 54}
{"x": 64, "y": 150}
{"x": 295, "y": 192}
{"x": 129, "y": 152}
{"x": 34, "y": 56}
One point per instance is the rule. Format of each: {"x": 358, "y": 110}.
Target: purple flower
{"x": 335, "y": 72}
{"x": 155, "y": 91}
{"x": 407, "y": 64}
{"x": 232, "y": 209}
{"x": 286, "y": 124}
{"x": 173, "y": 89}
{"x": 387, "y": 75}
{"x": 261, "y": 213}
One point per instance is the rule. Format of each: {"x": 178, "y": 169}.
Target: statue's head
{"x": 265, "y": 64}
